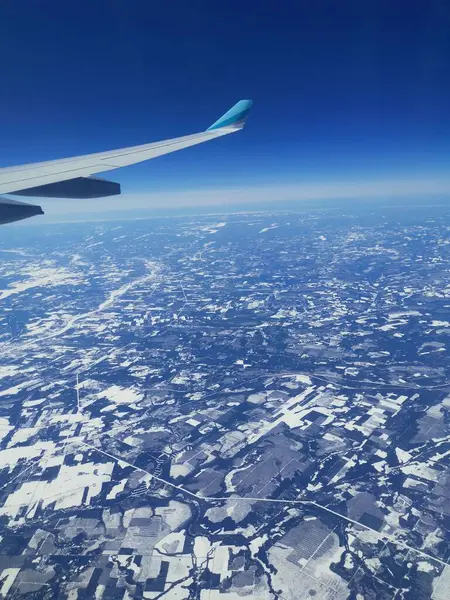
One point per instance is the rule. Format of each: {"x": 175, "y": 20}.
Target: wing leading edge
{"x": 46, "y": 178}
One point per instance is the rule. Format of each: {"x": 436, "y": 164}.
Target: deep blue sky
{"x": 341, "y": 89}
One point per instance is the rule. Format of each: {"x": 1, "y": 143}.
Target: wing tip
{"x": 235, "y": 117}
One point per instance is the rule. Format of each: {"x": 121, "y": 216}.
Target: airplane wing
{"x": 72, "y": 177}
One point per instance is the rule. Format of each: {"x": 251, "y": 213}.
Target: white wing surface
{"x": 72, "y": 177}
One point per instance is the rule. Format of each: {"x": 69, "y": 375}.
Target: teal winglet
{"x": 237, "y": 115}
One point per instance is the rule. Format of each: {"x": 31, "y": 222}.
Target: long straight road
{"x": 382, "y": 536}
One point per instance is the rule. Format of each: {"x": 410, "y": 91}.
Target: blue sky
{"x": 343, "y": 91}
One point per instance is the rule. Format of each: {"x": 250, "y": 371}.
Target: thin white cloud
{"x": 233, "y": 197}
